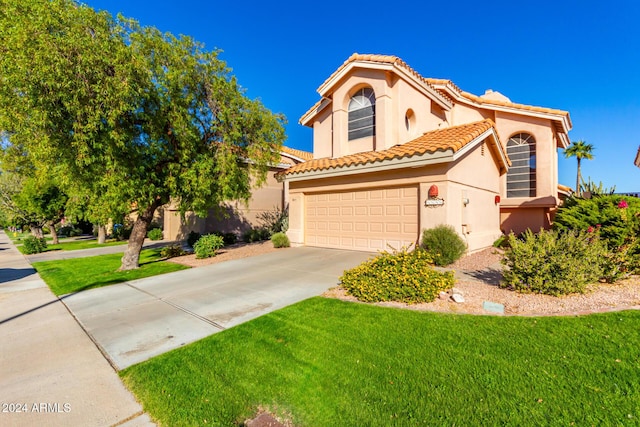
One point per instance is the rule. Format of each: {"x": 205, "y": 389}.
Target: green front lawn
{"x": 79, "y": 274}
{"x": 78, "y": 244}
{"x": 330, "y": 363}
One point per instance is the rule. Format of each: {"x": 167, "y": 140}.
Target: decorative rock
{"x": 444, "y": 295}
{"x": 457, "y": 298}
{"x": 493, "y": 307}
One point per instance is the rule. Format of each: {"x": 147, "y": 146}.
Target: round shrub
{"x": 444, "y": 244}
{"x": 33, "y": 245}
{"x": 207, "y": 246}
{"x": 155, "y": 234}
{"x": 401, "y": 276}
{"x": 280, "y": 240}
{"x": 554, "y": 263}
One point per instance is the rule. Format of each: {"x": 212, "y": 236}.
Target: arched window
{"x": 521, "y": 178}
{"x": 362, "y": 114}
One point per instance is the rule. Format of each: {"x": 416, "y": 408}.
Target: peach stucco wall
{"x": 475, "y": 177}
{"x": 233, "y": 216}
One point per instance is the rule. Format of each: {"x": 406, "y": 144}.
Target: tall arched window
{"x": 362, "y": 114}
{"x": 521, "y": 178}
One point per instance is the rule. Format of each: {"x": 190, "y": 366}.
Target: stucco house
{"x": 236, "y": 217}
{"x": 395, "y": 153}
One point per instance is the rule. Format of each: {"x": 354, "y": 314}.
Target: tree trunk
{"x": 54, "y": 233}
{"x": 36, "y": 230}
{"x": 131, "y": 257}
{"x": 102, "y": 234}
{"x": 578, "y": 192}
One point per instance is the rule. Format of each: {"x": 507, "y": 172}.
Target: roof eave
{"x": 432, "y": 93}
{"x": 377, "y": 166}
{"x": 318, "y": 107}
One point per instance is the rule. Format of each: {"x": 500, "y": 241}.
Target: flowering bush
{"x": 401, "y": 276}
{"x": 616, "y": 217}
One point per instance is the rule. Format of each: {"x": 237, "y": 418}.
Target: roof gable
{"x": 443, "y": 91}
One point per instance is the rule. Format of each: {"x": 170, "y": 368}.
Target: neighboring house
{"x": 237, "y": 217}
{"x": 637, "y": 159}
{"x": 386, "y": 140}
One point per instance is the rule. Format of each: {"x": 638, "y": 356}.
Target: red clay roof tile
{"x": 452, "y": 138}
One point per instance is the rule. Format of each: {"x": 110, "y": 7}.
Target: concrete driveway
{"x": 134, "y": 321}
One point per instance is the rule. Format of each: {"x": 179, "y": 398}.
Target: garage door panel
{"x": 366, "y": 220}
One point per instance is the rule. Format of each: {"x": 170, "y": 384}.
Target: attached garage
{"x": 365, "y": 220}
{"x": 372, "y": 200}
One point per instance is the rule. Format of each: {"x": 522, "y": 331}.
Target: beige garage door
{"x": 365, "y": 220}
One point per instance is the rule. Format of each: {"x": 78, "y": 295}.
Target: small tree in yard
{"x": 143, "y": 116}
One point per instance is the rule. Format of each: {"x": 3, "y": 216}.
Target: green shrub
{"x": 207, "y": 246}
{"x": 228, "y": 238}
{"x": 33, "y": 245}
{"x": 280, "y": 240}
{"x": 615, "y": 217}
{"x": 69, "y": 231}
{"x": 155, "y": 234}
{"x": 401, "y": 276}
{"x": 172, "y": 251}
{"x": 121, "y": 232}
{"x": 256, "y": 235}
{"x": 193, "y": 237}
{"x": 444, "y": 244}
{"x": 554, "y": 263}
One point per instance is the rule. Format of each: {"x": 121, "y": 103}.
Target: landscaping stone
{"x": 457, "y": 298}
{"x": 444, "y": 295}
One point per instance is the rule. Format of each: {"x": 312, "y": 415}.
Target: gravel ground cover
{"x": 478, "y": 276}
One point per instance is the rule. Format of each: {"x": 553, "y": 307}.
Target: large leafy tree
{"x": 580, "y": 150}
{"x": 33, "y": 202}
{"x": 142, "y": 116}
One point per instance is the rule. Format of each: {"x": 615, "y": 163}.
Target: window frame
{"x": 361, "y": 114}
{"x": 522, "y": 174}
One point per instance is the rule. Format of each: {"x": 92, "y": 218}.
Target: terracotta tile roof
{"x": 305, "y": 155}
{"x": 452, "y": 138}
{"x": 383, "y": 59}
{"x": 439, "y": 85}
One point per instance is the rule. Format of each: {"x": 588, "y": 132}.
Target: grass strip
{"x": 78, "y": 245}
{"x": 79, "y": 274}
{"x": 324, "y": 362}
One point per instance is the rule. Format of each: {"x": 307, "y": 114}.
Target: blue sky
{"x": 579, "y": 56}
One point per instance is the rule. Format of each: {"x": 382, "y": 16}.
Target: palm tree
{"x": 581, "y": 150}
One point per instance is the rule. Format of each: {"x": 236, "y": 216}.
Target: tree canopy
{"x": 580, "y": 150}
{"x": 140, "y": 116}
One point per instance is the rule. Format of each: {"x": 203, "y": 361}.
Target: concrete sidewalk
{"x": 51, "y": 373}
